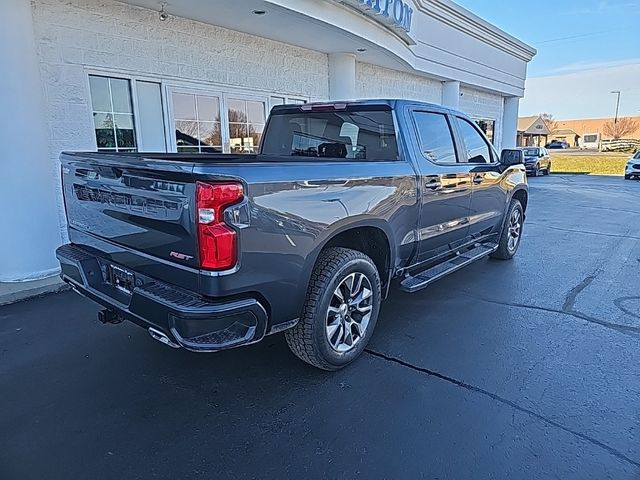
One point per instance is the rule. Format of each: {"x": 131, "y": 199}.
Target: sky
{"x": 586, "y": 49}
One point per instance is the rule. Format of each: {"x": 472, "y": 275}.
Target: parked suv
{"x": 536, "y": 161}
{"x": 214, "y": 251}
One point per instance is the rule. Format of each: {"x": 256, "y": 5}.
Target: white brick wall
{"x": 73, "y": 35}
{"x": 378, "y": 82}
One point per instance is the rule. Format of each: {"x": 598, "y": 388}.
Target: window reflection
{"x": 112, "y": 114}
{"x": 246, "y": 123}
{"x": 197, "y": 121}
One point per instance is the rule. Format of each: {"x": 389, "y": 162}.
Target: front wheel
{"x": 340, "y": 311}
{"x": 511, "y": 232}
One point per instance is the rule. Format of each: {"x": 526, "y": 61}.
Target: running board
{"x": 427, "y": 277}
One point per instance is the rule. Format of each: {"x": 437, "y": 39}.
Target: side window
{"x": 477, "y": 148}
{"x": 434, "y": 137}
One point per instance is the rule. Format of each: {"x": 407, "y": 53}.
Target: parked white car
{"x": 633, "y": 167}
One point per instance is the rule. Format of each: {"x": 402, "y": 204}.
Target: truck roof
{"x": 390, "y": 102}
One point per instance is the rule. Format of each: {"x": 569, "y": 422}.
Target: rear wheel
{"x": 511, "y": 232}
{"x": 547, "y": 171}
{"x": 340, "y": 311}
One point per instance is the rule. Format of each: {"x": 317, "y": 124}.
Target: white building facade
{"x": 119, "y": 76}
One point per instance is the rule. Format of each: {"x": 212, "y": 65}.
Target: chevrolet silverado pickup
{"x": 213, "y": 251}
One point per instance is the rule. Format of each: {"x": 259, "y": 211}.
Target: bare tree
{"x": 550, "y": 121}
{"x": 620, "y": 129}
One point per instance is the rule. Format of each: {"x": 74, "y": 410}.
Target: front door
{"x": 445, "y": 185}
{"x": 489, "y": 194}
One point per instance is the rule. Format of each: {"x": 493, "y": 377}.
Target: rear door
{"x": 444, "y": 187}
{"x": 489, "y": 196}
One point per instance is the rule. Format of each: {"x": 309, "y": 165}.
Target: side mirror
{"x": 511, "y": 156}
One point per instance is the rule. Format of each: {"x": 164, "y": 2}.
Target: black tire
{"x": 547, "y": 170}
{"x": 536, "y": 171}
{"x": 627, "y": 177}
{"x": 504, "y": 252}
{"x": 308, "y": 340}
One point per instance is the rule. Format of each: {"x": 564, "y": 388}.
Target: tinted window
{"x": 434, "y": 137}
{"x": 531, "y": 152}
{"x": 353, "y": 134}
{"x": 477, "y": 148}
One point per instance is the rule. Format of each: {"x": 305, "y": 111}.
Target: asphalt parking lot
{"x": 521, "y": 369}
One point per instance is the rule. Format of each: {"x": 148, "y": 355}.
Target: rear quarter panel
{"x": 295, "y": 208}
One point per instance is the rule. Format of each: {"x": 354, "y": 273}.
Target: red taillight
{"x": 217, "y": 241}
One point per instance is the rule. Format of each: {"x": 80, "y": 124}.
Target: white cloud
{"x": 585, "y": 93}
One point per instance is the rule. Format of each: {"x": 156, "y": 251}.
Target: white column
{"x": 451, "y": 94}
{"x": 342, "y": 76}
{"x": 28, "y": 214}
{"x": 510, "y": 121}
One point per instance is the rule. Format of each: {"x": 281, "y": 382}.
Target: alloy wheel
{"x": 515, "y": 229}
{"x": 349, "y": 312}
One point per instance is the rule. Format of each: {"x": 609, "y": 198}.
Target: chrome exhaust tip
{"x": 162, "y": 337}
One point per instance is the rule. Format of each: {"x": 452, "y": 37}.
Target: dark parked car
{"x": 557, "y": 144}
{"x": 214, "y": 251}
{"x": 536, "y": 161}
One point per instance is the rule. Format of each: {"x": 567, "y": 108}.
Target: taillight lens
{"x": 217, "y": 242}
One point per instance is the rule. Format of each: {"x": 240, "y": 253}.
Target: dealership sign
{"x": 395, "y": 14}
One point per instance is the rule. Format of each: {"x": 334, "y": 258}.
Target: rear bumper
{"x": 190, "y": 320}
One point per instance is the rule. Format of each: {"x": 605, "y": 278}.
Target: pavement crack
{"x": 504, "y": 401}
{"x": 624, "y": 329}
{"x": 570, "y": 299}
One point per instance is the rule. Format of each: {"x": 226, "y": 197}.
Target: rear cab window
{"x": 361, "y": 132}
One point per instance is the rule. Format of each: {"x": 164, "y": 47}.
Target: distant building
{"x": 590, "y": 126}
{"x": 532, "y": 131}
{"x": 567, "y": 135}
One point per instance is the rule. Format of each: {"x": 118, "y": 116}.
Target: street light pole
{"x": 617, "y": 92}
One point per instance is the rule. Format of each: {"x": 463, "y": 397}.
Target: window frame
{"x": 264, "y": 99}
{"x": 492, "y": 151}
{"x": 133, "y": 93}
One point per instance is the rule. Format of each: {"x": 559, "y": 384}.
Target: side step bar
{"x": 427, "y": 277}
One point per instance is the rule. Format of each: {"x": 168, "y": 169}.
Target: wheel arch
{"x": 371, "y": 236}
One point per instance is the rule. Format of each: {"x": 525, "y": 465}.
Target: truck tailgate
{"x": 142, "y": 205}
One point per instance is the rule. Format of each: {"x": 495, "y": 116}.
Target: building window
{"x": 197, "y": 122}
{"x": 246, "y": 123}
{"x": 488, "y": 127}
{"x": 112, "y": 114}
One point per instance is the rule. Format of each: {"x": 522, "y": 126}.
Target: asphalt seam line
{"x": 504, "y": 401}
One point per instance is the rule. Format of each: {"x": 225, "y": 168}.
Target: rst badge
{"x": 180, "y": 256}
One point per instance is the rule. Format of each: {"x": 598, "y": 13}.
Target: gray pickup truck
{"x": 212, "y": 251}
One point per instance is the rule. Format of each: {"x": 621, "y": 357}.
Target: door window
{"x": 477, "y": 148}
{"x": 434, "y": 137}
{"x": 197, "y": 123}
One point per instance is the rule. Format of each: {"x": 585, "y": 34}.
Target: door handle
{"x": 477, "y": 179}
{"x": 433, "y": 184}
